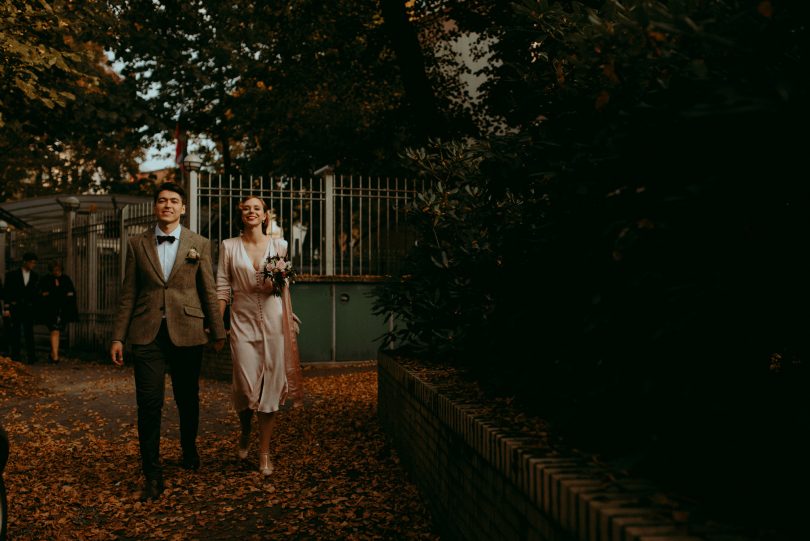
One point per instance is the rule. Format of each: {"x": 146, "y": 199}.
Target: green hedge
{"x": 629, "y": 260}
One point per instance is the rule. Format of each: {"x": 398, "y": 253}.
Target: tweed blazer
{"x": 188, "y": 298}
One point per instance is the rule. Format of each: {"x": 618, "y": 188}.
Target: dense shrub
{"x": 629, "y": 261}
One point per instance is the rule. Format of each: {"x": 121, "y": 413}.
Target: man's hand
{"x": 219, "y": 344}
{"x": 117, "y": 353}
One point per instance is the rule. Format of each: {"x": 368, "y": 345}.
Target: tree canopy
{"x": 279, "y": 88}
{"x": 622, "y": 252}
{"x": 282, "y": 88}
{"x": 67, "y": 121}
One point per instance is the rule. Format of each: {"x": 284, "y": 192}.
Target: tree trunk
{"x": 226, "y": 153}
{"x": 418, "y": 90}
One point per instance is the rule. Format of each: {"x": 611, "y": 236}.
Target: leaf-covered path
{"x": 74, "y": 469}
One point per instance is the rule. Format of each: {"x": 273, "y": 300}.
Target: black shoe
{"x": 152, "y": 490}
{"x": 191, "y": 461}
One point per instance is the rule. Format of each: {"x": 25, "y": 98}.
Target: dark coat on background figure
{"x": 21, "y": 299}
{"x": 21, "y": 302}
{"x": 57, "y": 301}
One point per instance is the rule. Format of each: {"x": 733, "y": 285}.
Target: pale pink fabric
{"x": 259, "y": 341}
{"x": 292, "y": 358}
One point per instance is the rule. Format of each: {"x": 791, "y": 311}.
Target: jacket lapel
{"x": 150, "y": 248}
{"x": 182, "y": 250}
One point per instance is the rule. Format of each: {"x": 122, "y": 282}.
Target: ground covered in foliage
{"x": 74, "y": 468}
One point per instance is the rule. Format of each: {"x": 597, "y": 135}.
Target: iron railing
{"x": 89, "y": 248}
{"x": 337, "y": 227}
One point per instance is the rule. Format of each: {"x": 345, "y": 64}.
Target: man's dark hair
{"x": 171, "y": 187}
{"x": 29, "y": 256}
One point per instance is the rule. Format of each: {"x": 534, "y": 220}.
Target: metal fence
{"x": 89, "y": 248}
{"x": 337, "y": 227}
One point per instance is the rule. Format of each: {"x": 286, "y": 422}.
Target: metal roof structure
{"x": 45, "y": 212}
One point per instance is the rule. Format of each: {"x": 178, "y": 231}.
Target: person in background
{"x": 271, "y": 227}
{"x": 21, "y": 288}
{"x": 57, "y": 305}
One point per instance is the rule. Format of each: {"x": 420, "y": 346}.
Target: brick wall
{"x": 483, "y": 484}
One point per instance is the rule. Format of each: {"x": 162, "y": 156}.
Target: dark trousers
{"x": 150, "y": 362}
{"x": 25, "y": 326}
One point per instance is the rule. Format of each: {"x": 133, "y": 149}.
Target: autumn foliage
{"x": 74, "y": 469}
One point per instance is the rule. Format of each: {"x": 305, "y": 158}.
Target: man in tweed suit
{"x": 167, "y": 313}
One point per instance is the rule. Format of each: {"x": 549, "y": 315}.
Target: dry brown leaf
{"x": 74, "y": 469}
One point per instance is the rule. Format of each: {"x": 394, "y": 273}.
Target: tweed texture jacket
{"x": 188, "y": 299}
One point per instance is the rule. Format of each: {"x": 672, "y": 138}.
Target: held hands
{"x": 216, "y": 345}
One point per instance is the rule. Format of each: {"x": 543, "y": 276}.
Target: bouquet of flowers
{"x": 279, "y": 271}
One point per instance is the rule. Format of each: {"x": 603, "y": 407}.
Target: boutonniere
{"x": 193, "y": 255}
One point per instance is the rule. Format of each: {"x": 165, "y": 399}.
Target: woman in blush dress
{"x": 266, "y": 368}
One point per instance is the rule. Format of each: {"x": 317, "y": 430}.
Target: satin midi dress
{"x": 256, "y": 339}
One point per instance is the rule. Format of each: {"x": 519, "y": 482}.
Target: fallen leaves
{"x": 74, "y": 468}
{"x": 16, "y": 380}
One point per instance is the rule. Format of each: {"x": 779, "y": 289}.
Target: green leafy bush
{"x": 629, "y": 258}
{"x": 447, "y": 293}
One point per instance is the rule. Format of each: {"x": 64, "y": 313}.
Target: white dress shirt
{"x": 167, "y": 251}
{"x": 26, "y": 275}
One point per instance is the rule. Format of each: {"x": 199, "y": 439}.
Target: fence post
{"x": 92, "y": 272}
{"x": 3, "y": 231}
{"x": 69, "y": 204}
{"x": 192, "y": 164}
{"x": 122, "y": 242}
{"x": 328, "y": 173}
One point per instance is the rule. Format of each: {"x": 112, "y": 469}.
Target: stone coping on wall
{"x": 586, "y": 499}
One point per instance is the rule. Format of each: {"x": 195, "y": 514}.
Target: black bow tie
{"x": 165, "y": 238}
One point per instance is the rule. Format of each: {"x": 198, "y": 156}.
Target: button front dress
{"x": 257, "y": 338}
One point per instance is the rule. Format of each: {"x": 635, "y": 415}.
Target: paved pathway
{"x": 74, "y": 467}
